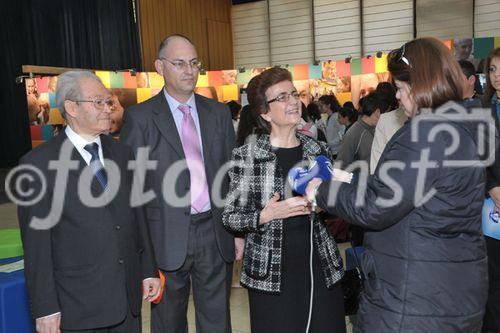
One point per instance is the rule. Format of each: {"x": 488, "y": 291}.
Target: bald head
{"x": 168, "y": 40}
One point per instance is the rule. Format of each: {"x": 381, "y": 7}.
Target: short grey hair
{"x": 68, "y": 87}
{"x": 164, "y": 43}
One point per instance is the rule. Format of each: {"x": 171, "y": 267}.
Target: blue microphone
{"x": 298, "y": 178}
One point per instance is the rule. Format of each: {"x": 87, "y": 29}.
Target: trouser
{"x": 210, "y": 276}
{"x": 491, "y": 321}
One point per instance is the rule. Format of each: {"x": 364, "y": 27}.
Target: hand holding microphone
{"x": 307, "y": 180}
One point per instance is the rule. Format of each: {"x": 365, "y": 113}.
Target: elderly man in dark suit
{"x": 88, "y": 253}
{"x": 191, "y": 137}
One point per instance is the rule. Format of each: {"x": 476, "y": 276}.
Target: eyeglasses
{"x": 100, "y": 103}
{"x": 181, "y": 65}
{"x": 284, "y": 97}
{"x": 402, "y": 56}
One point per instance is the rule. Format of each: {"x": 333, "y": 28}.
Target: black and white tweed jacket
{"x": 255, "y": 177}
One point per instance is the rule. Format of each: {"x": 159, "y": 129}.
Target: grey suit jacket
{"x": 151, "y": 124}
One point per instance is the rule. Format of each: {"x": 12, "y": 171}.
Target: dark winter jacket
{"x": 425, "y": 261}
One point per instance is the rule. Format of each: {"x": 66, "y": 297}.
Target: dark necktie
{"x": 96, "y": 165}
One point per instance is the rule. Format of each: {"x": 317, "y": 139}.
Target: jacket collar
{"x": 265, "y": 152}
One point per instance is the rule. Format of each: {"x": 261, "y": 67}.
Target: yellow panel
{"x": 105, "y": 78}
{"x": 55, "y": 117}
{"x": 143, "y": 94}
{"x": 155, "y": 80}
{"x": 230, "y": 92}
{"x": 497, "y": 42}
{"x": 381, "y": 64}
{"x": 344, "y": 97}
{"x": 202, "y": 80}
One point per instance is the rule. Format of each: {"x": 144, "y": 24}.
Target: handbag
{"x": 352, "y": 285}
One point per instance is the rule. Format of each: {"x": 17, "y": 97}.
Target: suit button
{"x": 118, "y": 227}
{"x": 120, "y": 261}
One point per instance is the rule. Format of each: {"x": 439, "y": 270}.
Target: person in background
{"x": 388, "y": 124}
{"x": 350, "y": 105}
{"x": 425, "y": 260}
{"x": 235, "y": 109}
{"x": 347, "y": 117}
{"x": 90, "y": 271}
{"x": 306, "y": 125}
{"x": 469, "y": 76}
{"x": 303, "y": 87}
{"x": 387, "y": 94}
{"x": 330, "y": 106}
{"x": 491, "y": 322}
{"x": 463, "y": 49}
{"x": 357, "y": 143}
{"x": 275, "y": 221}
{"x": 246, "y": 125}
{"x": 314, "y": 114}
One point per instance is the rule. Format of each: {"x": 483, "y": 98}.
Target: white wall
{"x": 337, "y": 30}
{"x": 444, "y": 19}
{"x": 487, "y": 18}
{"x": 250, "y": 34}
{"x": 291, "y": 32}
{"x": 386, "y": 24}
{"x": 337, "y": 27}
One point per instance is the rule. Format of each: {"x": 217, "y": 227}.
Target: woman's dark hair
{"x": 246, "y": 125}
{"x": 235, "y": 109}
{"x": 351, "y": 114}
{"x": 331, "y": 101}
{"x": 313, "y": 111}
{"x": 489, "y": 91}
{"x": 349, "y": 104}
{"x": 256, "y": 90}
{"x": 387, "y": 94}
{"x": 370, "y": 103}
{"x": 430, "y": 69}
{"x": 304, "y": 113}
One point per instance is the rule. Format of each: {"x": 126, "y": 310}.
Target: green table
{"x": 10, "y": 243}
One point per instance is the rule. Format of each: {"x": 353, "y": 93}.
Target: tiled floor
{"x": 239, "y": 299}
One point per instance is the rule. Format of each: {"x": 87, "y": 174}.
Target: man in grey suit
{"x": 186, "y": 130}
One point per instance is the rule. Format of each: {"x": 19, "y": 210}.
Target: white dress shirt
{"x": 80, "y": 144}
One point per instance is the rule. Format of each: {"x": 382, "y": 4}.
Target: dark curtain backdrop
{"x": 94, "y": 34}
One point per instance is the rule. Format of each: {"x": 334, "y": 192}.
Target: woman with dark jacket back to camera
{"x": 425, "y": 259}
{"x": 276, "y": 221}
{"x": 491, "y": 322}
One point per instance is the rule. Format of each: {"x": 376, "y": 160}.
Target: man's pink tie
{"x": 192, "y": 151}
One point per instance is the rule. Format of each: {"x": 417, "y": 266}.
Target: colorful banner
{"x": 348, "y": 79}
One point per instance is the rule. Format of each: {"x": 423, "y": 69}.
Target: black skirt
{"x": 288, "y": 312}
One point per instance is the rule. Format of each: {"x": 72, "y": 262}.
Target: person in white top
{"x": 388, "y": 124}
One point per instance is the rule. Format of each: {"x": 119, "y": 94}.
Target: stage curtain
{"x": 95, "y": 34}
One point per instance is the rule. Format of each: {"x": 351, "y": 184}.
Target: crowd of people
{"x": 427, "y": 265}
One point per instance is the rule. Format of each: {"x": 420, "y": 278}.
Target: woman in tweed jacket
{"x": 276, "y": 224}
